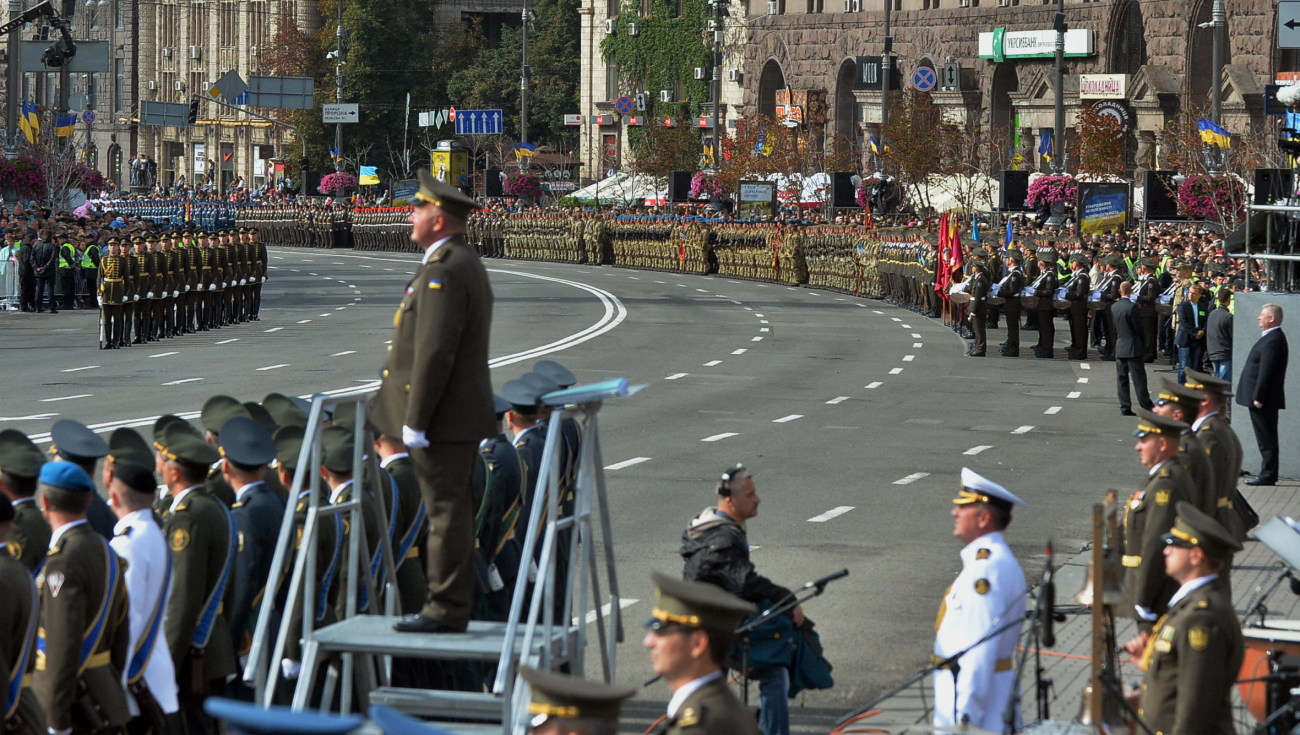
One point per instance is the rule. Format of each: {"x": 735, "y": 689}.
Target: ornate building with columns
{"x": 1160, "y": 51}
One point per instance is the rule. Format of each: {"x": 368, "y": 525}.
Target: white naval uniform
{"x": 139, "y": 541}
{"x": 988, "y": 593}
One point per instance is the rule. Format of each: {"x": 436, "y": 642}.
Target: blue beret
{"x": 67, "y": 476}
{"x": 244, "y": 717}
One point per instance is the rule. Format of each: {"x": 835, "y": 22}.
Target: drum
{"x": 1060, "y": 302}
{"x": 1281, "y": 637}
{"x": 1094, "y": 300}
{"x": 1027, "y": 298}
{"x": 959, "y": 297}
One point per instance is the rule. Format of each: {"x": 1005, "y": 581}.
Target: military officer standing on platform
{"x": 202, "y": 537}
{"x": 150, "y": 675}
{"x": 20, "y": 466}
{"x": 1151, "y": 510}
{"x": 82, "y": 593}
{"x": 1193, "y": 654}
{"x": 567, "y": 705}
{"x": 988, "y": 593}
{"x": 19, "y": 608}
{"x": 689, "y": 637}
{"x": 247, "y": 449}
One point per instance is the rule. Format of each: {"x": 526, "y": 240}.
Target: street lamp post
{"x": 524, "y": 74}
{"x": 339, "y": 50}
{"x": 1214, "y": 155}
{"x": 14, "y": 81}
{"x": 1058, "y": 123}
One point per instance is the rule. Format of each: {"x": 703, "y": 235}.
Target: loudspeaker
{"x": 1159, "y": 196}
{"x": 843, "y": 192}
{"x": 1273, "y": 185}
{"x": 1013, "y": 190}
{"x": 679, "y": 187}
{"x": 492, "y": 183}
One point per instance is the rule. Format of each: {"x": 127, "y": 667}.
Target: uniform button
{"x": 385, "y": 372}
{"x": 390, "y": 348}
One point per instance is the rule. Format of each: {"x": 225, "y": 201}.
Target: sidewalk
{"x": 1067, "y": 665}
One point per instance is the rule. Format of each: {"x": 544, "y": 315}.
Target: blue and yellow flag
{"x": 706, "y": 157}
{"x": 369, "y": 176}
{"x": 1212, "y": 134}
{"x": 334, "y": 154}
{"x": 65, "y": 125}
{"x": 877, "y": 147}
{"x": 29, "y": 122}
{"x": 524, "y": 150}
{"x": 1045, "y": 143}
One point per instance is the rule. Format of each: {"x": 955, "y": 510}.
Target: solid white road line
{"x": 911, "y": 478}
{"x": 626, "y": 463}
{"x": 720, "y": 437}
{"x": 67, "y": 398}
{"x": 832, "y": 513}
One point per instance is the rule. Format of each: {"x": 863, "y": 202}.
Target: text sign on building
{"x": 342, "y": 112}
{"x": 1288, "y": 24}
{"x": 573, "y": 119}
{"x": 1103, "y": 86}
{"x": 1001, "y": 44}
{"x": 869, "y": 76}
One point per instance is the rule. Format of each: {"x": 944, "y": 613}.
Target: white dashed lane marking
{"x": 895, "y": 371}
{"x": 304, "y": 321}
{"x": 228, "y": 341}
{"x": 1084, "y": 366}
{"x": 917, "y": 345}
{"x": 875, "y": 311}
{"x": 344, "y": 352}
{"x": 788, "y": 419}
{"x": 976, "y": 450}
{"x": 626, "y": 463}
{"x": 873, "y": 385}
{"x": 757, "y": 339}
{"x": 273, "y": 367}
{"x": 711, "y": 363}
{"x": 77, "y": 370}
{"x": 1073, "y": 394}
{"x": 66, "y": 398}
{"x": 272, "y": 329}
{"x": 182, "y": 381}
{"x": 837, "y": 400}
{"x": 740, "y": 351}
{"x": 720, "y": 437}
{"x": 1083, "y": 380}
{"x": 676, "y": 376}
{"x": 1052, "y": 410}
{"x": 832, "y": 513}
{"x": 908, "y": 358}
{"x": 895, "y": 318}
{"x": 911, "y": 478}
{"x": 1022, "y": 430}
{"x": 164, "y": 354}
{"x": 915, "y": 335}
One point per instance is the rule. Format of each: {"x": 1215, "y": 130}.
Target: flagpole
{"x": 15, "y": 83}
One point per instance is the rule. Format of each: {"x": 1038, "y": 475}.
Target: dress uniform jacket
{"x": 374, "y": 526}
{"x": 329, "y": 557}
{"x": 713, "y": 709}
{"x": 436, "y": 377}
{"x": 74, "y": 587}
{"x": 410, "y": 533}
{"x": 199, "y": 531}
{"x": 1203, "y": 492}
{"x": 19, "y": 607}
{"x": 498, "y": 487}
{"x": 988, "y": 593}
{"x": 1223, "y": 449}
{"x": 30, "y": 537}
{"x": 1148, "y": 516}
{"x": 1192, "y": 659}
{"x": 257, "y": 513}
{"x": 140, "y": 543}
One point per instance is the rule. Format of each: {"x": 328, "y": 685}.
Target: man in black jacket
{"x": 45, "y": 263}
{"x": 1129, "y": 351}
{"x": 1261, "y": 389}
{"x": 716, "y": 550}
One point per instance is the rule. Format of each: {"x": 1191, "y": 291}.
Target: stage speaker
{"x": 1273, "y": 185}
{"x": 1159, "y": 195}
{"x": 679, "y": 187}
{"x": 1013, "y": 190}
{"x": 843, "y": 192}
{"x": 492, "y": 181}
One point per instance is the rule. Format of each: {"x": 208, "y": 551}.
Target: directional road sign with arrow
{"x": 1288, "y": 24}
{"x": 478, "y": 122}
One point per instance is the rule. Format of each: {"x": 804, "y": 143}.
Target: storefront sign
{"x": 1103, "y": 86}
{"x": 1003, "y": 44}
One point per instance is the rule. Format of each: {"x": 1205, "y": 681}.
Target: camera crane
{"x": 61, "y": 51}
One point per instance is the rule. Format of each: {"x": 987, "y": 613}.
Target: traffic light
{"x": 194, "y": 110}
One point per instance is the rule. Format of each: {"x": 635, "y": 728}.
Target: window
{"x": 197, "y": 25}
{"x": 119, "y": 85}
{"x": 168, "y": 28}
{"x": 611, "y": 81}
{"x": 228, "y": 25}
{"x": 119, "y": 16}
{"x": 257, "y": 26}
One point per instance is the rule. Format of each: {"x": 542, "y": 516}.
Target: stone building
{"x": 1002, "y": 52}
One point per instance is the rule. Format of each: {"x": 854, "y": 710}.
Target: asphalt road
{"x": 855, "y": 417}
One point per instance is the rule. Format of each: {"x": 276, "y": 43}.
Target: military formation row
{"x": 171, "y": 283}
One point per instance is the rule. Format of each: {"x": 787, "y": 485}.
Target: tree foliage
{"x": 921, "y": 143}
{"x": 1102, "y": 147}
{"x": 669, "y": 44}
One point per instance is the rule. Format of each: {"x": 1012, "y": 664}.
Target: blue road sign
{"x": 242, "y": 98}
{"x": 478, "y": 122}
{"x": 624, "y": 105}
{"x": 924, "y": 79}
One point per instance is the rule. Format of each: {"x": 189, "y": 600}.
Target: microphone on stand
{"x": 1047, "y": 602}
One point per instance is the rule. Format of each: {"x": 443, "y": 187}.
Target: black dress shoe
{"x": 421, "y": 623}
{"x": 1126, "y": 412}
{"x": 1257, "y": 482}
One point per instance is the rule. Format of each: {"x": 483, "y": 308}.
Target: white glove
{"x": 149, "y": 295}
{"x": 243, "y": 282}
{"x": 212, "y": 287}
{"x": 290, "y": 668}
{"x": 175, "y": 294}
{"x": 187, "y": 288}
{"x": 414, "y": 439}
{"x": 223, "y": 284}
{"x": 136, "y": 297}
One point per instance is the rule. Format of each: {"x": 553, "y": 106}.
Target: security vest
{"x": 66, "y": 249}
{"x": 86, "y": 262}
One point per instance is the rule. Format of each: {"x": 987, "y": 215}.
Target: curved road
{"x": 855, "y": 417}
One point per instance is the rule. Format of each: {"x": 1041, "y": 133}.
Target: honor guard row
{"x": 164, "y": 285}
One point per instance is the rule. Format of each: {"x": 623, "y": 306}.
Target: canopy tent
{"x": 622, "y": 188}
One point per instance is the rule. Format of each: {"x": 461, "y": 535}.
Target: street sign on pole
{"x": 923, "y": 78}
{"x": 478, "y": 122}
{"x": 342, "y": 112}
{"x": 1288, "y": 24}
{"x": 288, "y": 93}
{"x": 230, "y": 86}
{"x": 164, "y": 113}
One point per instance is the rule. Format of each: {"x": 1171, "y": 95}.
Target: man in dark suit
{"x": 1261, "y": 389}
{"x": 1190, "y": 337}
{"x": 436, "y": 395}
{"x": 1148, "y": 289}
{"x": 1129, "y": 352}
{"x": 1077, "y": 294}
{"x": 44, "y": 263}
{"x": 978, "y": 311}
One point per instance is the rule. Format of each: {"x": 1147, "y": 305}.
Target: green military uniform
{"x": 202, "y": 536}
{"x": 30, "y": 536}
{"x": 410, "y": 533}
{"x": 19, "y": 608}
{"x": 571, "y": 704}
{"x": 1191, "y": 452}
{"x": 82, "y": 591}
{"x": 712, "y": 708}
{"x": 1195, "y": 651}
{"x": 1223, "y": 449}
{"x": 112, "y": 297}
{"x": 1146, "y": 516}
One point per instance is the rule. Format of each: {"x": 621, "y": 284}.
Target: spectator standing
{"x": 1218, "y": 336}
{"x": 1130, "y": 349}
{"x": 1261, "y": 390}
{"x": 44, "y": 264}
{"x": 1191, "y": 337}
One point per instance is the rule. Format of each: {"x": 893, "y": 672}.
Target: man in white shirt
{"x": 150, "y": 676}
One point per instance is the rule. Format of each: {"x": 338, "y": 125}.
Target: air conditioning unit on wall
{"x": 196, "y": 52}
{"x": 665, "y": 95}
{"x": 734, "y": 75}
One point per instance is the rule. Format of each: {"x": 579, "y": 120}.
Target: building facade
{"x": 1001, "y": 49}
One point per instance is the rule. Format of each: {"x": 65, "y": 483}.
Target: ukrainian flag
{"x": 1212, "y": 134}
{"x": 524, "y": 150}
{"x": 1045, "y": 143}
{"x": 65, "y": 125}
{"x": 876, "y": 146}
{"x": 29, "y": 122}
{"x": 369, "y": 176}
